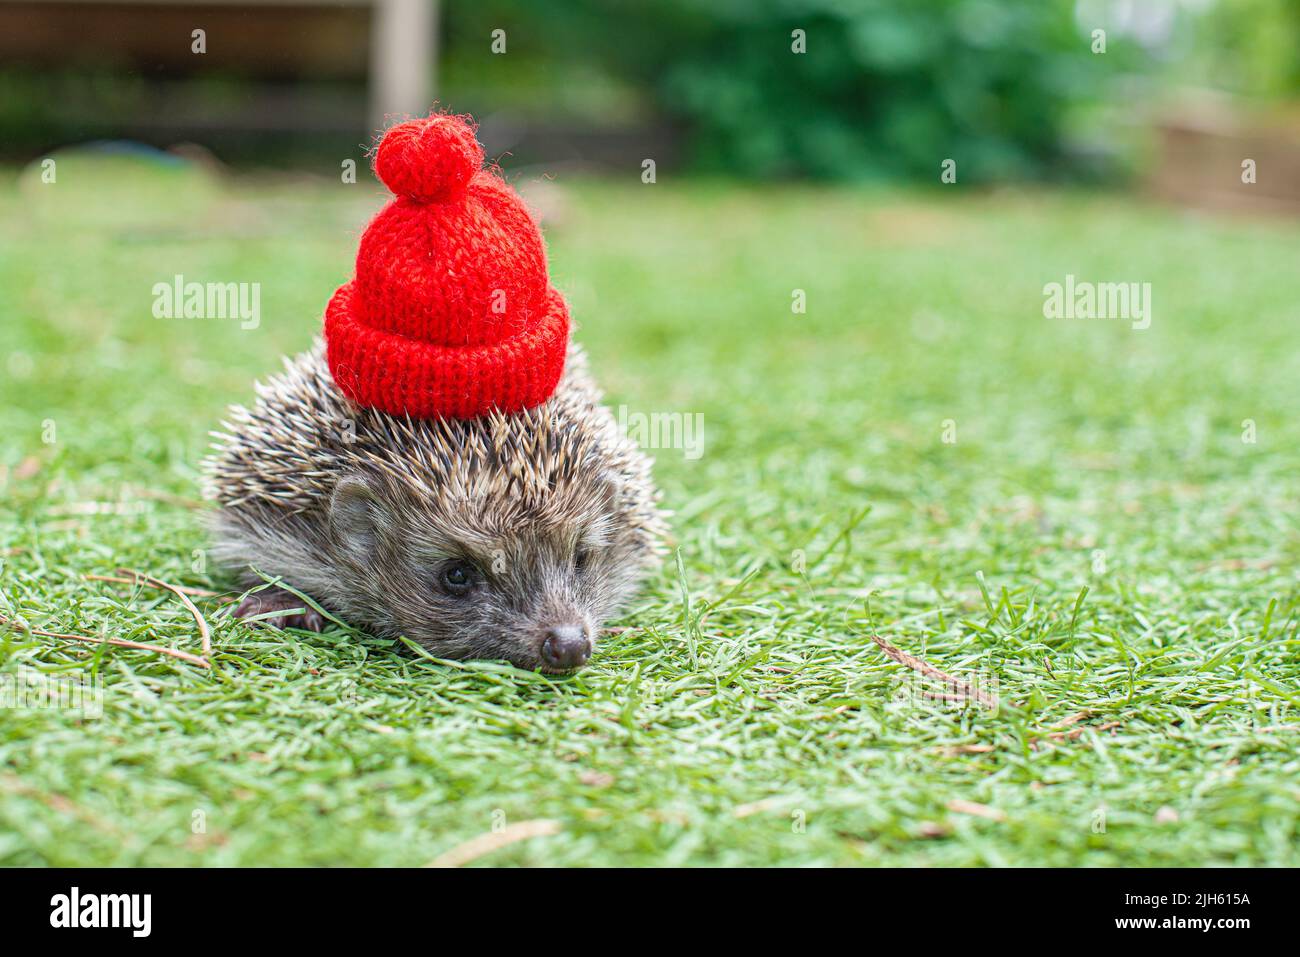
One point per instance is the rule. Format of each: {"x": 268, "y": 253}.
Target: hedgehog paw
{"x": 272, "y": 600}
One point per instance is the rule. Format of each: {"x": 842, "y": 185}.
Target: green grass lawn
{"x": 1099, "y": 545}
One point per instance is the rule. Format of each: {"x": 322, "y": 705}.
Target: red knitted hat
{"x": 451, "y": 313}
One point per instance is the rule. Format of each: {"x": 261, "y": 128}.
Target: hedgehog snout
{"x": 566, "y": 646}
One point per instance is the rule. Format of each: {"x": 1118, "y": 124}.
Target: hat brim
{"x": 402, "y": 376}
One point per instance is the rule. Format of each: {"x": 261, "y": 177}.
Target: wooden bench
{"x": 390, "y": 44}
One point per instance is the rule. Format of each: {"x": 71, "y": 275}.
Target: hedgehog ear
{"x": 356, "y": 516}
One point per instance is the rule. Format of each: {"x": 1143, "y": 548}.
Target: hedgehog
{"x": 439, "y": 464}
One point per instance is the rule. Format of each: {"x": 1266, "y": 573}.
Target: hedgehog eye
{"x": 458, "y": 578}
{"x": 581, "y": 557}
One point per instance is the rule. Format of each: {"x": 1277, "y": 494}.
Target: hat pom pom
{"x": 430, "y": 160}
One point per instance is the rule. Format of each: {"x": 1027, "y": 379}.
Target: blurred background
{"x": 855, "y": 90}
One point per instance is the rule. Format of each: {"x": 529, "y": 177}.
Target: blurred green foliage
{"x": 885, "y": 89}
{"x": 1246, "y": 46}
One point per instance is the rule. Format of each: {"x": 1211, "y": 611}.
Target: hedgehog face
{"x": 528, "y": 581}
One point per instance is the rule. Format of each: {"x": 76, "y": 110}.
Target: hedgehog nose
{"x": 566, "y": 646}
